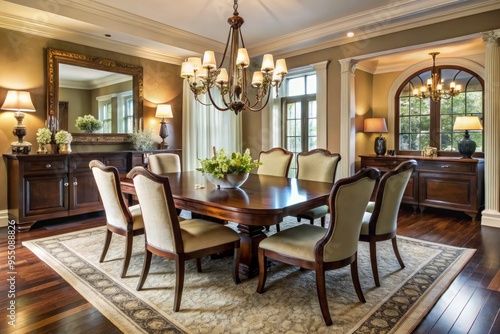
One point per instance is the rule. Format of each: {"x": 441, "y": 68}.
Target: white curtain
{"x": 205, "y": 127}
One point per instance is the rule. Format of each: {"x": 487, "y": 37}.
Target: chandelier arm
{"x": 215, "y": 104}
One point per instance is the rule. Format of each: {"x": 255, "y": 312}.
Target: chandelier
{"x": 232, "y": 83}
{"x": 434, "y": 88}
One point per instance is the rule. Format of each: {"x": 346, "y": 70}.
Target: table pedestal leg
{"x": 250, "y": 237}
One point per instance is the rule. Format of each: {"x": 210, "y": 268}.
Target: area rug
{"x": 212, "y": 303}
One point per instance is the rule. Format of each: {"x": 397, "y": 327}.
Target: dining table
{"x": 261, "y": 201}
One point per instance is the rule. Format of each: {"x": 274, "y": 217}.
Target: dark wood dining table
{"x": 261, "y": 201}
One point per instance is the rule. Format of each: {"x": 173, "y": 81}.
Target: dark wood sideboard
{"x": 47, "y": 186}
{"x": 440, "y": 182}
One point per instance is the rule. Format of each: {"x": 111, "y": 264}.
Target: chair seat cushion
{"x": 365, "y": 224}
{"x": 200, "y": 234}
{"x": 315, "y": 213}
{"x": 298, "y": 241}
{"x": 137, "y": 220}
{"x": 370, "y": 207}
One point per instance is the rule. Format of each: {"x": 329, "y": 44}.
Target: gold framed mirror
{"x": 58, "y": 112}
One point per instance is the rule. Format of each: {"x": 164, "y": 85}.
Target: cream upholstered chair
{"x": 321, "y": 249}
{"x": 317, "y": 165}
{"x": 120, "y": 218}
{"x": 380, "y": 221}
{"x": 275, "y": 162}
{"x": 168, "y": 238}
{"x": 164, "y": 163}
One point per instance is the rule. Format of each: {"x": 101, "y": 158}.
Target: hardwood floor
{"x": 45, "y": 303}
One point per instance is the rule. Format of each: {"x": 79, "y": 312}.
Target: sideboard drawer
{"x": 45, "y": 166}
{"x": 437, "y": 166}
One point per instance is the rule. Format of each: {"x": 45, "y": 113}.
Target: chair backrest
{"x": 390, "y": 191}
{"x": 161, "y": 223}
{"x": 348, "y": 200}
{"x": 275, "y": 162}
{"x": 317, "y": 165}
{"x": 107, "y": 179}
{"x": 164, "y": 163}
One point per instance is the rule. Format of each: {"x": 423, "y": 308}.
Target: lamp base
{"x": 20, "y": 148}
{"x": 466, "y": 147}
{"x": 163, "y": 145}
{"x": 380, "y": 146}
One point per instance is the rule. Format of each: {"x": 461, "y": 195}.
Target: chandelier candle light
{"x": 434, "y": 88}
{"x": 232, "y": 83}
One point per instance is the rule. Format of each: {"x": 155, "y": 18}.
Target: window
{"x": 423, "y": 122}
{"x": 300, "y": 115}
{"x": 116, "y": 111}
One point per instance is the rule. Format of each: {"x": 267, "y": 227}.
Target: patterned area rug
{"x": 212, "y": 303}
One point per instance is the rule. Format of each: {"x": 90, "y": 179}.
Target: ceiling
{"x": 171, "y": 30}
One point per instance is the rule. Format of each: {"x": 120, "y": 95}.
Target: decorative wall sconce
{"x": 163, "y": 111}
{"x": 467, "y": 146}
{"x": 377, "y": 125}
{"x": 19, "y": 101}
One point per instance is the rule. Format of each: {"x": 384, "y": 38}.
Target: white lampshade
{"x": 267, "y": 63}
{"x": 164, "y": 111}
{"x": 242, "y": 58}
{"x": 281, "y": 67}
{"x": 467, "y": 123}
{"x": 18, "y": 101}
{"x": 209, "y": 60}
{"x": 375, "y": 125}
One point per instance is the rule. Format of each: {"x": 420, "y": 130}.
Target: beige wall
{"x": 22, "y": 59}
{"x": 473, "y": 24}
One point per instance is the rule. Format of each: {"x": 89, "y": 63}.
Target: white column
{"x": 491, "y": 212}
{"x": 322, "y": 101}
{"x": 347, "y": 115}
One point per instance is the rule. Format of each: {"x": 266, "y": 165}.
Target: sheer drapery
{"x": 205, "y": 127}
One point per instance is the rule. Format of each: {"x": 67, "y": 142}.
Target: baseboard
{"x": 490, "y": 218}
{"x": 4, "y": 218}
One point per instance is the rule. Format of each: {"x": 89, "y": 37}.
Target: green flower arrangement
{"x": 88, "y": 124}
{"x": 221, "y": 163}
{"x": 43, "y": 136}
{"x": 63, "y": 137}
{"x": 142, "y": 140}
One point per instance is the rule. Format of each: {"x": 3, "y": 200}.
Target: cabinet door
{"x": 448, "y": 190}
{"x": 45, "y": 194}
{"x": 84, "y": 195}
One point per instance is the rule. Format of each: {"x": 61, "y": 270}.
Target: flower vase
{"x": 228, "y": 181}
{"x": 42, "y": 149}
{"x": 65, "y": 148}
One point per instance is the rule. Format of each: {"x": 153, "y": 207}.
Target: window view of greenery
{"x": 300, "y": 116}
{"x": 116, "y": 111}
{"x": 423, "y": 122}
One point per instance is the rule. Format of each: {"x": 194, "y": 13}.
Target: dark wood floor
{"x": 45, "y": 303}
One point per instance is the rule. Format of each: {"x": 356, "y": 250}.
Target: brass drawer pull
{"x": 48, "y": 166}
{"x": 445, "y": 166}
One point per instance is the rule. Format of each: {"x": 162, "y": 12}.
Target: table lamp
{"x": 467, "y": 146}
{"x": 377, "y": 125}
{"x": 163, "y": 111}
{"x": 19, "y": 101}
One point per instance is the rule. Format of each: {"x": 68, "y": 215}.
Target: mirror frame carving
{"x": 56, "y": 57}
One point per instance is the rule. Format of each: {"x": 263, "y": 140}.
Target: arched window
{"x": 424, "y": 122}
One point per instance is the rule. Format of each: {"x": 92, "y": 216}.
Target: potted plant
{"x": 88, "y": 124}
{"x": 142, "y": 140}
{"x": 228, "y": 171}
{"x": 43, "y": 137}
{"x": 63, "y": 139}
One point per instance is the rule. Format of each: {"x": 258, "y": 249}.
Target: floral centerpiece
{"x": 88, "y": 124}
{"x": 43, "y": 137}
{"x": 228, "y": 171}
{"x": 64, "y": 138}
